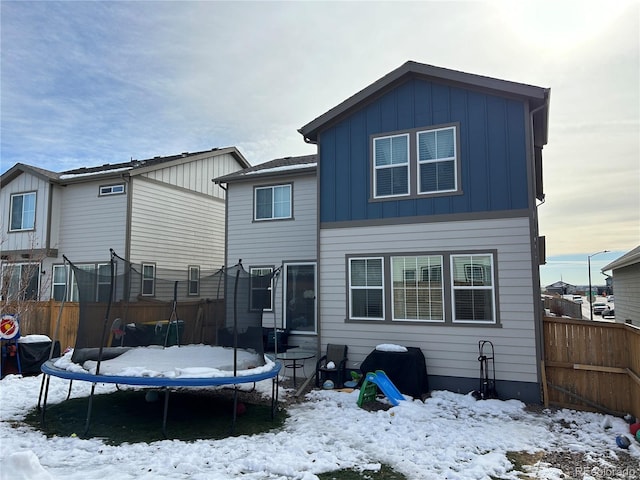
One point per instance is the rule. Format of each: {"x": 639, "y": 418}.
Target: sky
{"x": 449, "y": 435}
{"x": 88, "y": 83}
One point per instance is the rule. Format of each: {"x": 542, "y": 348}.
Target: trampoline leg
{"x": 69, "y": 392}
{"x": 86, "y": 425}
{"x": 166, "y": 410}
{"x": 44, "y": 402}
{"x": 235, "y": 409}
{"x": 44, "y": 379}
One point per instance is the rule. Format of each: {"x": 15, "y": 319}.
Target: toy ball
{"x": 241, "y": 409}
{"x": 622, "y": 441}
{"x": 328, "y": 385}
{"x": 633, "y": 428}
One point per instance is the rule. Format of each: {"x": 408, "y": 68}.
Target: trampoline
{"x": 226, "y": 348}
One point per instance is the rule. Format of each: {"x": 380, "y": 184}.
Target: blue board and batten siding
{"x": 492, "y": 142}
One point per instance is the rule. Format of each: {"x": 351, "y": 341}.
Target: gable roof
{"x": 537, "y": 96}
{"x": 277, "y": 167}
{"x": 132, "y": 167}
{"x": 629, "y": 258}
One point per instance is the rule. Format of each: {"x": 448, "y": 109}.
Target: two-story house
{"x": 423, "y": 212}
{"x": 162, "y": 212}
{"x": 428, "y": 182}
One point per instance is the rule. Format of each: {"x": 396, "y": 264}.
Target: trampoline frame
{"x": 166, "y": 383}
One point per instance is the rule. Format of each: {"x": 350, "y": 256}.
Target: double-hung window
{"x": 366, "y": 288}
{"x": 437, "y": 160}
{"x": 194, "y": 280}
{"x": 473, "y": 288}
{"x": 273, "y": 202}
{"x": 20, "y": 281}
{"x": 418, "y": 293}
{"x": 23, "y": 212}
{"x": 60, "y": 278}
{"x": 148, "y": 279}
{"x": 391, "y": 166}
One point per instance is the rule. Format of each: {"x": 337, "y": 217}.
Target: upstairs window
{"x": 23, "y": 212}
{"x": 111, "y": 189}
{"x": 273, "y": 202}
{"x": 391, "y": 166}
{"x": 437, "y": 160}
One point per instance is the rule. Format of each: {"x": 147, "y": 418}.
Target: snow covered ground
{"x": 449, "y": 436}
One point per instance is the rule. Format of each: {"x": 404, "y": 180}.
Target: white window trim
{"x": 367, "y": 287}
{"x": 193, "y": 268}
{"x": 251, "y": 272}
{"x": 106, "y": 190}
{"x": 438, "y": 160}
{"x": 480, "y": 287}
{"x": 22, "y": 228}
{"x": 377, "y": 168}
{"x": 152, "y": 279}
{"x": 272, "y": 217}
{"x": 418, "y": 279}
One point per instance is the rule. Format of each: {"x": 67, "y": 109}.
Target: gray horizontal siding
{"x": 449, "y": 350}
{"x": 626, "y": 285}
{"x": 173, "y": 227}
{"x": 272, "y": 242}
{"x": 32, "y": 239}
{"x": 90, "y": 225}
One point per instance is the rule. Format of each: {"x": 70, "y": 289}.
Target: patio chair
{"x": 336, "y": 355}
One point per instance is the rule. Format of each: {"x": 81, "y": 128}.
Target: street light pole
{"x": 590, "y": 291}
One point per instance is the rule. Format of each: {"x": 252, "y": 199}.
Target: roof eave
{"x": 539, "y": 96}
{"x": 238, "y": 178}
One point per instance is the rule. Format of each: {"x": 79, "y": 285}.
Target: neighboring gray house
{"x": 561, "y": 288}
{"x": 163, "y": 212}
{"x": 272, "y": 225}
{"x": 626, "y": 286}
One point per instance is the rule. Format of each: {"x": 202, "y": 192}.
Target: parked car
{"x": 608, "y": 312}
{"x": 577, "y": 298}
{"x": 610, "y": 299}
{"x": 598, "y": 307}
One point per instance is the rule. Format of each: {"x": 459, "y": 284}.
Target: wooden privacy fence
{"x": 201, "y": 318}
{"x": 592, "y": 365}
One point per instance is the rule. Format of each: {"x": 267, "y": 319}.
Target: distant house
{"x": 419, "y": 222}
{"x": 272, "y": 226}
{"x": 163, "y": 212}
{"x": 561, "y": 288}
{"x": 626, "y": 283}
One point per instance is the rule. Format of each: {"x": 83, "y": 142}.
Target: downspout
{"x": 127, "y": 235}
{"x": 537, "y": 308}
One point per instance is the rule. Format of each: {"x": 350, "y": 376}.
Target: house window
{"x": 391, "y": 166}
{"x": 104, "y": 281}
{"x": 83, "y": 283}
{"x": 148, "y": 279}
{"x": 194, "y": 280}
{"x": 437, "y": 160}
{"x": 20, "y": 281}
{"x": 273, "y": 202}
{"x": 111, "y": 189}
{"x": 417, "y": 297}
{"x": 23, "y": 211}
{"x": 472, "y": 288}
{"x": 59, "y": 283}
{"x": 366, "y": 289}
{"x": 261, "y": 288}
